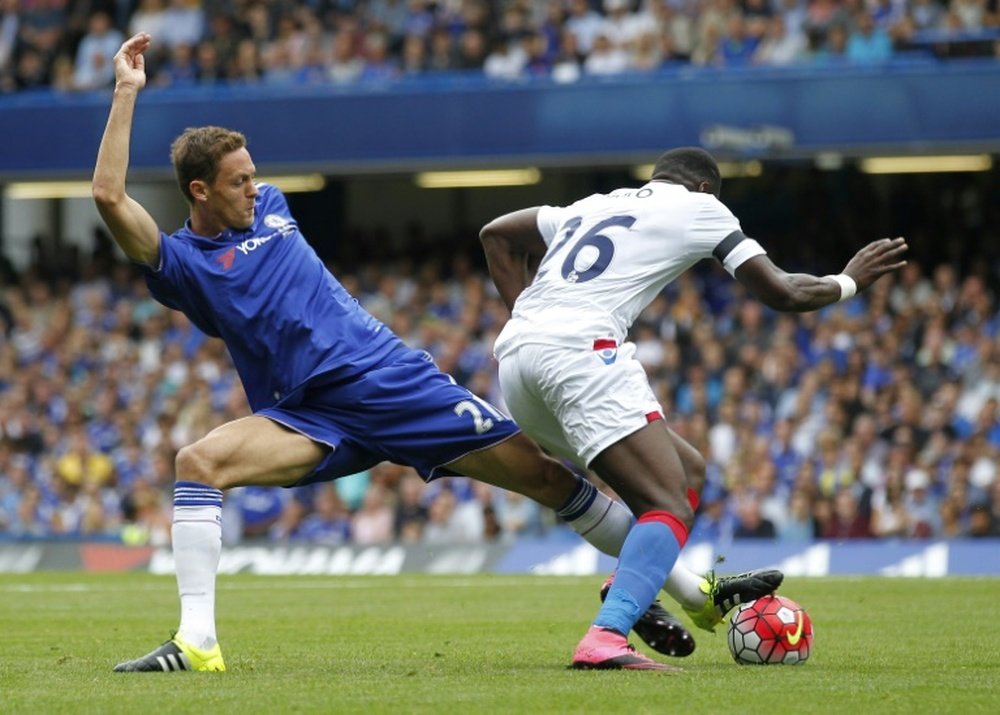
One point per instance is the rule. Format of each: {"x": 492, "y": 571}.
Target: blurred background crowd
{"x": 69, "y": 44}
{"x": 875, "y": 418}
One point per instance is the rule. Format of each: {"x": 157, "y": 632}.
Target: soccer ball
{"x": 772, "y": 630}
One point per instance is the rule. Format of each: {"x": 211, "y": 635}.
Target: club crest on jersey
{"x": 275, "y": 221}
{"x": 606, "y": 349}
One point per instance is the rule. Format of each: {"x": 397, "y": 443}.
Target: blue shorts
{"x": 405, "y": 411}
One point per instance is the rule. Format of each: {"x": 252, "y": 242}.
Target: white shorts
{"x": 577, "y": 402}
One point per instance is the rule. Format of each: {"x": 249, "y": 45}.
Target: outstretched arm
{"x": 131, "y": 225}
{"x": 513, "y": 248}
{"x": 802, "y": 292}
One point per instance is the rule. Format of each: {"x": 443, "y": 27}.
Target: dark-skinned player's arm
{"x": 133, "y": 229}
{"x": 802, "y": 292}
{"x": 514, "y": 247}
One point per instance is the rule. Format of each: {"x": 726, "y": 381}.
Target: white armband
{"x": 848, "y": 287}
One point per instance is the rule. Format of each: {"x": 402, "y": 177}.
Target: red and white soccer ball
{"x": 772, "y": 630}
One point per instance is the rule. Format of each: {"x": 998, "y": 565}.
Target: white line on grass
{"x": 243, "y": 583}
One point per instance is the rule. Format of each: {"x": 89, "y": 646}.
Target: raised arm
{"x": 130, "y": 224}
{"x": 802, "y": 292}
{"x": 513, "y": 248}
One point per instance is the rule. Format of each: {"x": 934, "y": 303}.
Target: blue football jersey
{"x": 284, "y": 317}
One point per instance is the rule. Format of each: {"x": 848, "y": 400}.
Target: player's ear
{"x": 705, "y": 187}
{"x": 199, "y": 190}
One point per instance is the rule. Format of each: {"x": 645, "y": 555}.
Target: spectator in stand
{"x": 441, "y": 526}
{"x": 208, "y": 66}
{"x": 471, "y": 515}
{"x": 675, "y": 29}
{"x": 472, "y": 50}
{"x": 329, "y": 523}
{"x": 645, "y": 53}
{"x": 922, "y": 508}
{"x": 714, "y": 522}
{"x": 183, "y": 23}
{"x": 750, "y": 523}
{"x": 737, "y": 46}
{"x": 10, "y": 23}
{"x": 566, "y": 65}
{"x": 982, "y": 523}
{"x": 93, "y": 68}
{"x": 585, "y": 23}
{"x": 971, "y": 14}
{"x": 867, "y": 43}
{"x": 506, "y": 61}
{"x": 538, "y": 56}
{"x": 827, "y": 47}
{"x": 798, "y": 526}
{"x": 346, "y": 64}
{"x": 442, "y": 51}
{"x": 409, "y": 507}
{"x": 847, "y": 521}
{"x": 778, "y": 47}
{"x": 605, "y": 59}
{"x": 624, "y": 27}
{"x": 82, "y": 463}
{"x": 373, "y": 523}
{"x": 390, "y": 17}
{"x": 150, "y": 16}
{"x": 889, "y": 518}
{"x": 414, "y": 56}
{"x": 245, "y": 66}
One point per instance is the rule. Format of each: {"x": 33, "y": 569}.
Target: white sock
{"x": 598, "y": 518}
{"x": 684, "y": 586}
{"x": 197, "y": 542}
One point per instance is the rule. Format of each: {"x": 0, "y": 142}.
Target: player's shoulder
{"x": 269, "y": 193}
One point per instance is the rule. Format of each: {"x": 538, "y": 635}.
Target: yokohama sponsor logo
{"x": 252, "y": 244}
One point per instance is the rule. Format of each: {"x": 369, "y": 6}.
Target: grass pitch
{"x": 483, "y": 644}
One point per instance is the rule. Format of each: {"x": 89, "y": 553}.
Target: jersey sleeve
{"x": 717, "y": 232}
{"x": 549, "y": 219}
{"x": 163, "y": 280}
{"x": 272, "y": 200}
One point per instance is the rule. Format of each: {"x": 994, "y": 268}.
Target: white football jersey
{"x": 610, "y": 255}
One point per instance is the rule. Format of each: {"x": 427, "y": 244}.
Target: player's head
{"x": 691, "y": 167}
{"x": 216, "y": 174}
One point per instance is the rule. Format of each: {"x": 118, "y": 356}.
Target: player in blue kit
{"x": 333, "y": 391}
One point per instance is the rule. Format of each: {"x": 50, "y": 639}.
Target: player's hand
{"x": 130, "y": 65}
{"x": 875, "y": 260}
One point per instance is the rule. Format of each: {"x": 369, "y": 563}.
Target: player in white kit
{"x": 575, "y": 279}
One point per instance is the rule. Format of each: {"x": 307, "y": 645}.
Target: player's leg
{"x": 250, "y": 451}
{"x": 646, "y": 471}
{"x": 708, "y": 598}
{"x": 519, "y": 465}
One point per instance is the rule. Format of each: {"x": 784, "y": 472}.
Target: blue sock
{"x": 649, "y": 552}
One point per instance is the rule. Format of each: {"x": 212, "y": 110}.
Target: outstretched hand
{"x": 875, "y": 260}
{"x": 130, "y": 65}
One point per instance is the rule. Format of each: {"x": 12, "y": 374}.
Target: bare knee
{"x": 194, "y": 464}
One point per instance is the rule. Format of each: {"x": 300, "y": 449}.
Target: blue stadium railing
{"x": 915, "y": 104}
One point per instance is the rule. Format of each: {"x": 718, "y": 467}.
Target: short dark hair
{"x": 195, "y": 154}
{"x": 689, "y": 167}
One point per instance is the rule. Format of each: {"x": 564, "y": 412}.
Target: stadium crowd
{"x": 875, "y": 418}
{"x": 69, "y": 44}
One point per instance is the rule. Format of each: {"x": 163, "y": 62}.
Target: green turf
{"x": 484, "y": 644}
